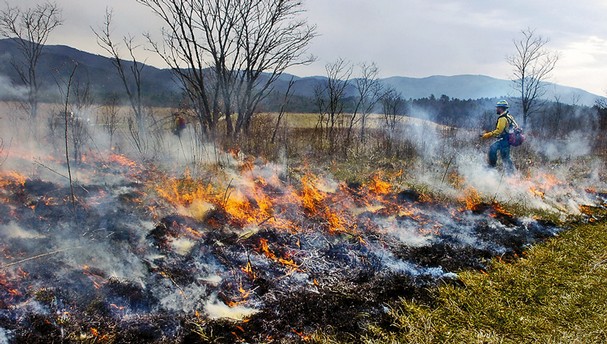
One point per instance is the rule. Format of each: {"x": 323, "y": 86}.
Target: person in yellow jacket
{"x": 501, "y": 145}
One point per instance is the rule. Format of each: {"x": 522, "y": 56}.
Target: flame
{"x": 548, "y": 181}
{"x": 122, "y": 160}
{"x": 303, "y": 336}
{"x": 246, "y": 205}
{"x": 336, "y": 222}
{"x": 378, "y": 186}
{"x": 116, "y": 307}
{"x": 244, "y": 293}
{"x": 536, "y": 192}
{"x": 96, "y": 279}
{"x": 248, "y": 269}
{"x": 471, "y": 198}
{"x": 12, "y": 178}
{"x": 499, "y": 209}
{"x": 244, "y": 296}
{"x": 311, "y": 197}
{"x": 265, "y": 249}
{"x": 542, "y": 183}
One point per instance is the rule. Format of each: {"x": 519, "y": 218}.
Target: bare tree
{"x": 130, "y": 73}
{"x": 199, "y": 43}
{"x": 369, "y": 90}
{"x": 601, "y": 108}
{"x": 393, "y": 106}
{"x": 82, "y": 95}
{"x": 330, "y": 96}
{"x": 283, "y": 105}
{"x": 29, "y": 29}
{"x": 532, "y": 65}
{"x": 3, "y": 157}
{"x": 272, "y": 39}
{"x": 220, "y": 50}
{"x": 110, "y": 118}
{"x": 67, "y": 119}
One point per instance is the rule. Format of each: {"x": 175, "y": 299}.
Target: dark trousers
{"x": 503, "y": 147}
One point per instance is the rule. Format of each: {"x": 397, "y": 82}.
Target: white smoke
{"x": 577, "y": 144}
{"x": 408, "y": 233}
{"x": 5, "y": 336}
{"x": 9, "y": 91}
{"x": 13, "y": 230}
{"x": 216, "y": 309}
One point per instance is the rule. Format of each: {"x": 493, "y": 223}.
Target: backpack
{"x": 515, "y": 137}
{"x": 181, "y": 123}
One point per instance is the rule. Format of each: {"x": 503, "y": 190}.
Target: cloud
{"x": 407, "y": 38}
{"x": 580, "y": 63}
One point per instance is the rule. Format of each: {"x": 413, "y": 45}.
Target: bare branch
{"x": 532, "y": 66}
{"x": 131, "y": 75}
{"x": 227, "y": 53}
{"x": 29, "y": 29}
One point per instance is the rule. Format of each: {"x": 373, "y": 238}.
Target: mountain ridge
{"x": 157, "y": 82}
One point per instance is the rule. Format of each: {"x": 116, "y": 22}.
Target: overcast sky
{"x": 416, "y": 38}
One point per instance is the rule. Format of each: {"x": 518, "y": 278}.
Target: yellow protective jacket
{"x": 501, "y": 127}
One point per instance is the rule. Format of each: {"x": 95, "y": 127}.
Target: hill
{"x": 160, "y": 87}
{"x": 57, "y": 62}
{"x": 457, "y": 86}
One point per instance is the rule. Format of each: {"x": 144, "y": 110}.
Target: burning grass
{"x": 241, "y": 249}
{"x": 280, "y": 256}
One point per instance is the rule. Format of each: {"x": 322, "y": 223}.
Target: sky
{"x": 414, "y": 38}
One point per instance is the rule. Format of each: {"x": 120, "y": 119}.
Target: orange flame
{"x": 471, "y": 198}
{"x": 378, "y": 186}
{"x": 122, "y": 160}
{"x": 535, "y": 191}
{"x": 12, "y": 177}
{"x": 336, "y": 223}
{"x": 499, "y": 209}
{"x": 310, "y": 195}
{"x": 247, "y": 205}
{"x": 265, "y": 249}
{"x": 248, "y": 269}
{"x": 303, "y": 336}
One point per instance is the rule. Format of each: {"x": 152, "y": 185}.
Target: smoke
{"x": 406, "y": 231}
{"x": 13, "y": 231}
{"x": 217, "y": 310}
{"x": 575, "y": 145}
{"x": 125, "y": 243}
{"x": 5, "y": 336}
{"x": 555, "y": 164}
{"x": 9, "y": 91}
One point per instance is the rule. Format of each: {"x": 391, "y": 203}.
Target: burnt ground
{"x": 114, "y": 268}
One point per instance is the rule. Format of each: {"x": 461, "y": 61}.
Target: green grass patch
{"x": 556, "y": 293}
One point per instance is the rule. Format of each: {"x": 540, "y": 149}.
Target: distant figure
{"x": 505, "y": 122}
{"x": 179, "y": 123}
